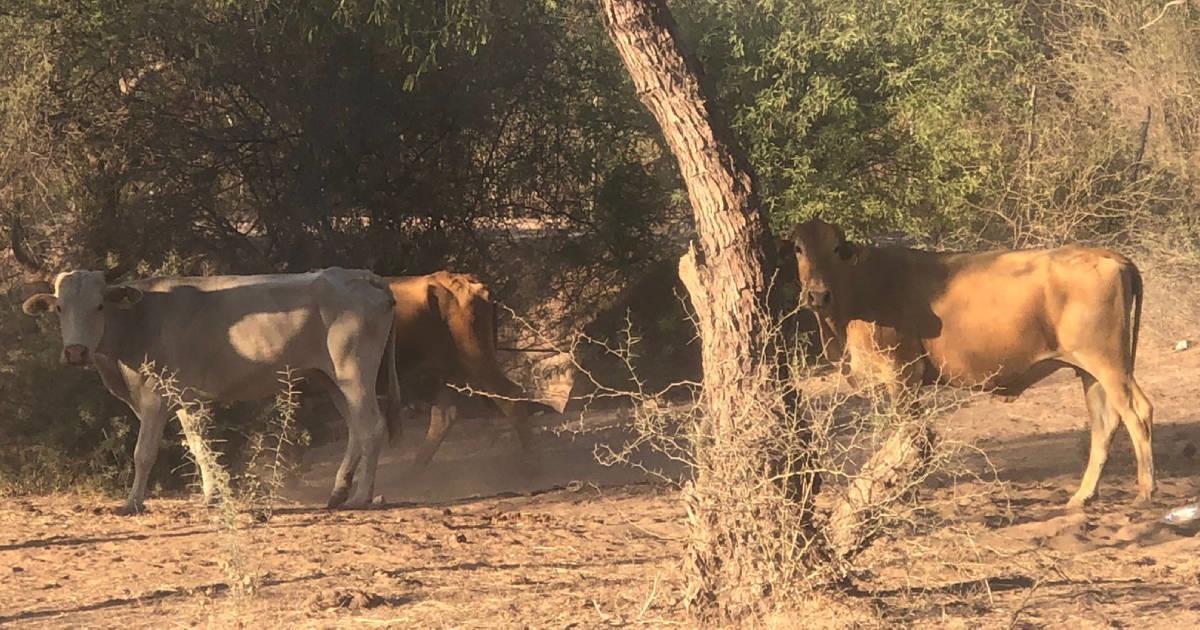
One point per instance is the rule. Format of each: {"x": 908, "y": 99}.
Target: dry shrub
{"x": 240, "y": 504}
{"x": 1110, "y": 142}
{"x": 851, "y": 465}
{"x": 269, "y": 466}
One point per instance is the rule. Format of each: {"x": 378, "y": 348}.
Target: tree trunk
{"x": 726, "y": 273}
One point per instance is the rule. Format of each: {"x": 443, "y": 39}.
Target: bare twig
{"x": 1161, "y": 13}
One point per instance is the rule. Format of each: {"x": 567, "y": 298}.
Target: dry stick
{"x": 1031, "y": 135}
{"x": 650, "y": 599}
{"x": 1163, "y": 12}
{"x": 1141, "y": 152}
{"x": 1030, "y": 146}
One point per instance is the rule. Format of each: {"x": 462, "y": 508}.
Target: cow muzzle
{"x": 818, "y": 298}
{"x": 75, "y": 354}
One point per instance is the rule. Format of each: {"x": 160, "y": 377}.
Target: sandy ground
{"x": 475, "y": 543}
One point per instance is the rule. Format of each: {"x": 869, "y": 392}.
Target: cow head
{"x": 80, "y": 298}
{"x": 823, "y": 257}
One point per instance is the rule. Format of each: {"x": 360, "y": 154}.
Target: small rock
{"x": 1182, "y": 345}
{"x": 446, "y": 512}
{"x": 18, "y": 570}
{"x": 460, "y": 537}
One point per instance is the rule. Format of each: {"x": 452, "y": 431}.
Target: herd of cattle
{"x": 1000, "y": 320}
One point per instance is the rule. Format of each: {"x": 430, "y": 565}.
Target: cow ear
{"x": 849, "y": 252}
{"x": 122, "y": 296}
{"x": 794, "y": 235}
{"x": 39, "y": 304}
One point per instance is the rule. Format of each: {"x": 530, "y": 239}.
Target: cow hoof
{"x": 357, "y": 504}
{"x": 337, "y": 498}
{"x": 1143, "y": 501}
{"x": 1077, "y": 502}
{"x": 130, "y": 509}
{"x": 212, "y": 500}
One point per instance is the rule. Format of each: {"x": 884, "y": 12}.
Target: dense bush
{"x": 874, "y": 113}
{"x": 197, "y": 136}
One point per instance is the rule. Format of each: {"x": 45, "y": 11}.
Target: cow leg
{"x": 152, "y": 412}
{"x": 1140, "y": 424}
{"x": 196, "y": 445}
{"x": 832, "y": 347}
{"x": 514, "y": 407}
{"x": 530, "y": 459}
{"x": 442, "y": 415}
{"x": 372, "y": 428}
{"x": 517, "y": 412}
{"x": 343, "y": 480}
{"x": 354, "y": 399}
{"x": 1102, "y": 424}
{"x": 1125, "y": 402}
{"x": 1137, "y": 414}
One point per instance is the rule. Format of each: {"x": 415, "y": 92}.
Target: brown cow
{"x": 445, "y": 336}
{"x": 1001, "y": 320}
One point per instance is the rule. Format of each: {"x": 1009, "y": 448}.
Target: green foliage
{"x": 873, "y": 113}
{"x": 264, "y": 135}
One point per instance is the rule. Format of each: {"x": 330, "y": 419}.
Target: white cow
{"x": 226, "y": 338}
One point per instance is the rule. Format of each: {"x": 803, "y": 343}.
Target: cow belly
{"x": 267, "y": 338}
{"x": 987, "y": 358}
{"x": 244, "y": 360}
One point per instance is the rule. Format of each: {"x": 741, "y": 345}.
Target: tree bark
{"x": 726, "y": 272}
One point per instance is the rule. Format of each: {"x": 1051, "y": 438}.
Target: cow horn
{"x": 16, "y": 235}
{"x": 111, "y": 274}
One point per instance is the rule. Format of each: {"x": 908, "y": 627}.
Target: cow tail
{"x": 1135, "y": 287}
{"x": 393, "y": 412}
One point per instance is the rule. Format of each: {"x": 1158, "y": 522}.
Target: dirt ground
{"x": 474, "y": 543}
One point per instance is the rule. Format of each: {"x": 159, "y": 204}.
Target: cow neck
{"x": 861, "y": 281}
{"x": 121, "y": 328}
{"x": 877, "y": 285}
{"x": 890, "y": 284}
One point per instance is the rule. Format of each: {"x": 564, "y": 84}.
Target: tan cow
{"x": 445, "y": 336}
{"x": 1001, "y": 320}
